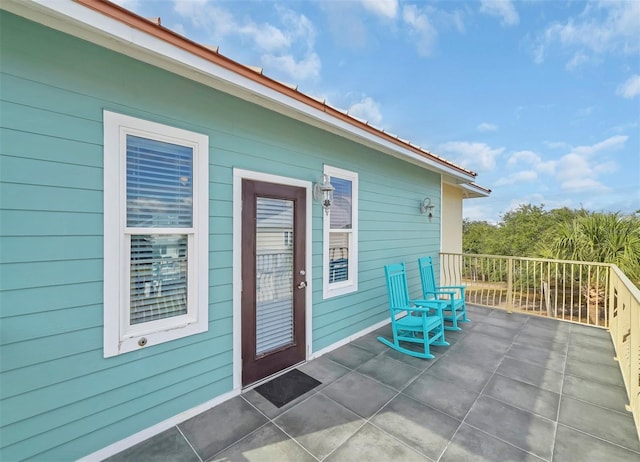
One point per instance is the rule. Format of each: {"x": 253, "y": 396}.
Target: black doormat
{"x": 287, "y": 387}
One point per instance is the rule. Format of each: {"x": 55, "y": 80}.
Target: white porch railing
{"x": 594, "y": 294}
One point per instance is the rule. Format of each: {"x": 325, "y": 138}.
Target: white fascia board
{"x": 472, "y": 190}
{"x": 85, "y": 23}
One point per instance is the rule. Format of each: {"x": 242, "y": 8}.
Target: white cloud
{"x": 286, "y": 47}
{"x": 525, "y": 157}
{"x": 603, "y": 27}
{"x": 630, "y": 88}
{"x": 385, "y": 8}
{"x": 475, "y": 156}
{"x": 304, "y": 69}
{"x": 367, "y": 109}
{"x": 519, "y": 177}
{"x": 420, "y": 26}
{"x": 580, "y": 169}
{"x": 486, "y": 127}
{"x": 503, "y": 9}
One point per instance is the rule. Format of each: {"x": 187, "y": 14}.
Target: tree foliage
{"x": 532, "y": 231}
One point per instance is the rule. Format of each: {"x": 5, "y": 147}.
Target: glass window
{"x": 341, "y": 235}
{"x": 156, "y": 227}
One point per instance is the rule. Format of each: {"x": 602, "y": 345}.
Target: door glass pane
{"x": 158, "y": 277}
{"x": 274, "y": 271}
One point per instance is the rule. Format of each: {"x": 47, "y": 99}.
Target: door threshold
{"x": 253, "y": 385}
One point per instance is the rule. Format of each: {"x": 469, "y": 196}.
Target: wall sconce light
{"x": 323, "y": 191}
{"x": 426, "y": 207}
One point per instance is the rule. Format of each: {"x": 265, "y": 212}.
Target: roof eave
{"x": 113, "y": 27}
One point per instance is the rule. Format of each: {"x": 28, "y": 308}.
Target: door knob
{"x": 302, "y": 285}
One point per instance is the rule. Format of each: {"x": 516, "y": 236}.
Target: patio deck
{"x": 511, "y": 387}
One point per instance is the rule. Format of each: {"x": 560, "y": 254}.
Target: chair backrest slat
{"x": 397, "y": 285}
{"x": 427, "y": 278}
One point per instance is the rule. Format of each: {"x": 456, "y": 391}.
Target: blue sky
{"x": 540, "y": 98}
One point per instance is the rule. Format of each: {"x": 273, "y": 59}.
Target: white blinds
{"x": 274, "y": 270}
{"x": 159, "y": 195}
{"x": 159, "y": 184}
{"x": 158, "y": 277}
{"x": 341, "y": 215}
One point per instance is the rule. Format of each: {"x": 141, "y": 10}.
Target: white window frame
{"x": 119, "y": 335}
{"x": 333, "y": 289}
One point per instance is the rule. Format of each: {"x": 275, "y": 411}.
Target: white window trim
{"x": 119, "y": 336}
{"x": 351, "y": 285}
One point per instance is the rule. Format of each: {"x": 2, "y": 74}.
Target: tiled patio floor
{"x": 509, "y": 388}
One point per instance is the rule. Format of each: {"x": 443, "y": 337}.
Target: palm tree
{"x": 599, "y": 237}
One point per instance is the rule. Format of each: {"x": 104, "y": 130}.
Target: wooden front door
{"x": 273, "y": 278}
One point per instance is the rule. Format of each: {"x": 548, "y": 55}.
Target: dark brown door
{"x": 273, "y": 278}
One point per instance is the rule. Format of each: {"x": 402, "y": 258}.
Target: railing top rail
{"x": 633, "y": 290}
{"x": 507, "y": 257}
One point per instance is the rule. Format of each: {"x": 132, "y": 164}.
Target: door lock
{"x": 302, "y": 285}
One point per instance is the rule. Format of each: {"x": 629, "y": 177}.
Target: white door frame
{"x": 238, "y": 176}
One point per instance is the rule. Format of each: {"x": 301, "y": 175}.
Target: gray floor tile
{"x": 598, "y": 393}
{"x": 421, "y": 427}
{"x": 487, "y": 343}
{"x": 266, "y": 443}
{"x": 527, "y": 431}
{"x": 524, "y": 396}
{"x": 389, "y": 371}
{"x": 167, "y": 446}
{"x": 545, "y": 334}
{"x": 538, "y": 356}
{"x": 507, "y": 333}
{"x": 459, "y": 370}
{"x": 324, "y": 370}
{"x": 581, "y": 353}
{"x": 359, "y": 393}
{"x": 412, "y": 361}
{"x": 537, "y": 341}
{"x": 605, "y": 373}
{"x": 269, "y": 409}
{"x": 319, "y": 424}
{"x": 596, "y": 343}
{"x": 609, "y": 425}
{"x": 374, "y": 445}
{"x": 472, "y": 445}
{"x": 531, "y": 374}
{"x": 219, "y": 427}
{"x": 350, "y": 356}
{"x": 503, "y": 318}
{"x": 572, "y": 445}
{"x": 370, "y": 343}
{"x": 448, "y": 397}
{"x": 549, "y": 324}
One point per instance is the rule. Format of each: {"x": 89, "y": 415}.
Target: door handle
{"x": 302, "y": 285}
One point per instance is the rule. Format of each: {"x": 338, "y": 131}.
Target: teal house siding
{"x": 61, "y": 399}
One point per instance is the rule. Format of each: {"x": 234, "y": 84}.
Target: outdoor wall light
{"x": 426, "y": 207}
{"x": 323, "y": 191}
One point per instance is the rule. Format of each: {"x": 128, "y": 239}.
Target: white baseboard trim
{"x": 349, "y": 339}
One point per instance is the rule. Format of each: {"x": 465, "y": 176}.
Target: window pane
{"x": 159, "y": 184}
{"x": 274, "y": 273}
{"x": 338, "y": 257}
{"x": 158, "y": 277}
{"x": 341, "y": 207}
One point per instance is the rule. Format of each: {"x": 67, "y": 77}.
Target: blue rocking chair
{"x": 452, "y": 296}
{"x": 423, "y": 323}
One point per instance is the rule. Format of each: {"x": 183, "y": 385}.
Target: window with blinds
{"x": 156, "y": 222}
{"x": 159, "y": 196}
{"x": 340, "y": 234}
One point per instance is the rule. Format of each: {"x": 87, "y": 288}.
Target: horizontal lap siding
{"x": 60, "y": 398}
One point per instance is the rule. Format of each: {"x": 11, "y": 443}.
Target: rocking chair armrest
{"x": 416, "y": 309}
{"x": 441, "y": 292}
{"x": 434, "y": 304}
{"x": 460, "y": 288}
